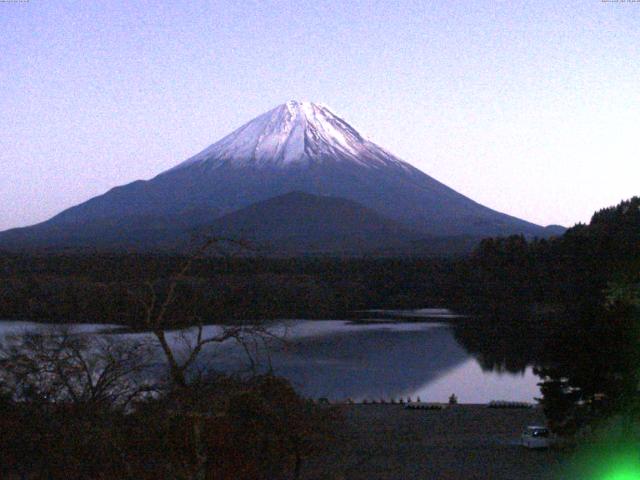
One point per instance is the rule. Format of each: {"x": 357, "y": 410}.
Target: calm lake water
{"x": 339, "y": 359}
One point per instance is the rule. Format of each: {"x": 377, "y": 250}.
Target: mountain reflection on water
{"x": 339, "y": 359}
{"x": 370, "y": 361}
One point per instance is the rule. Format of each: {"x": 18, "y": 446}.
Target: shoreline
{"x": 465, "y": 441}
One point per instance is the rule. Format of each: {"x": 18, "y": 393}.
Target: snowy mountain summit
{"x": 294, "y": 133}
{"x": 297, "y": 175}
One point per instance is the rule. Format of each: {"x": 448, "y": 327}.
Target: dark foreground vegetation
{"x": 77, "y": 407}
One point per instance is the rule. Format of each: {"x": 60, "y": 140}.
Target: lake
{"x": 340, "y": 359}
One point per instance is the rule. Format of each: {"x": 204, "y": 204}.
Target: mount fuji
{"x": 296, "y": 147}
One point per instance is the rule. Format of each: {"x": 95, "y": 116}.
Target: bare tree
{"x": 59, "y": 366}
{"x": 156, "y": 303}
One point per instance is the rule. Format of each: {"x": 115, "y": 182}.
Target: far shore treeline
{"x": 103, "y": 288}
{"x": 503, "y": 274}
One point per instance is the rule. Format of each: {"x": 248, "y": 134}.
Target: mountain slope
{"x": 302, "y": 223}
{"x": 297, "y": 146}
{"x": 133, "y": 232}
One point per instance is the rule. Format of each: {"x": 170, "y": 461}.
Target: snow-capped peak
{"x": 294, "y": 133}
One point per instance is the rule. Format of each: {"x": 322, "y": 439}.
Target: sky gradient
{"x": 530, "y": 108}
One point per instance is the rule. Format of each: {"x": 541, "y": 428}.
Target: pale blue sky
{"x": 531, "y": 108}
